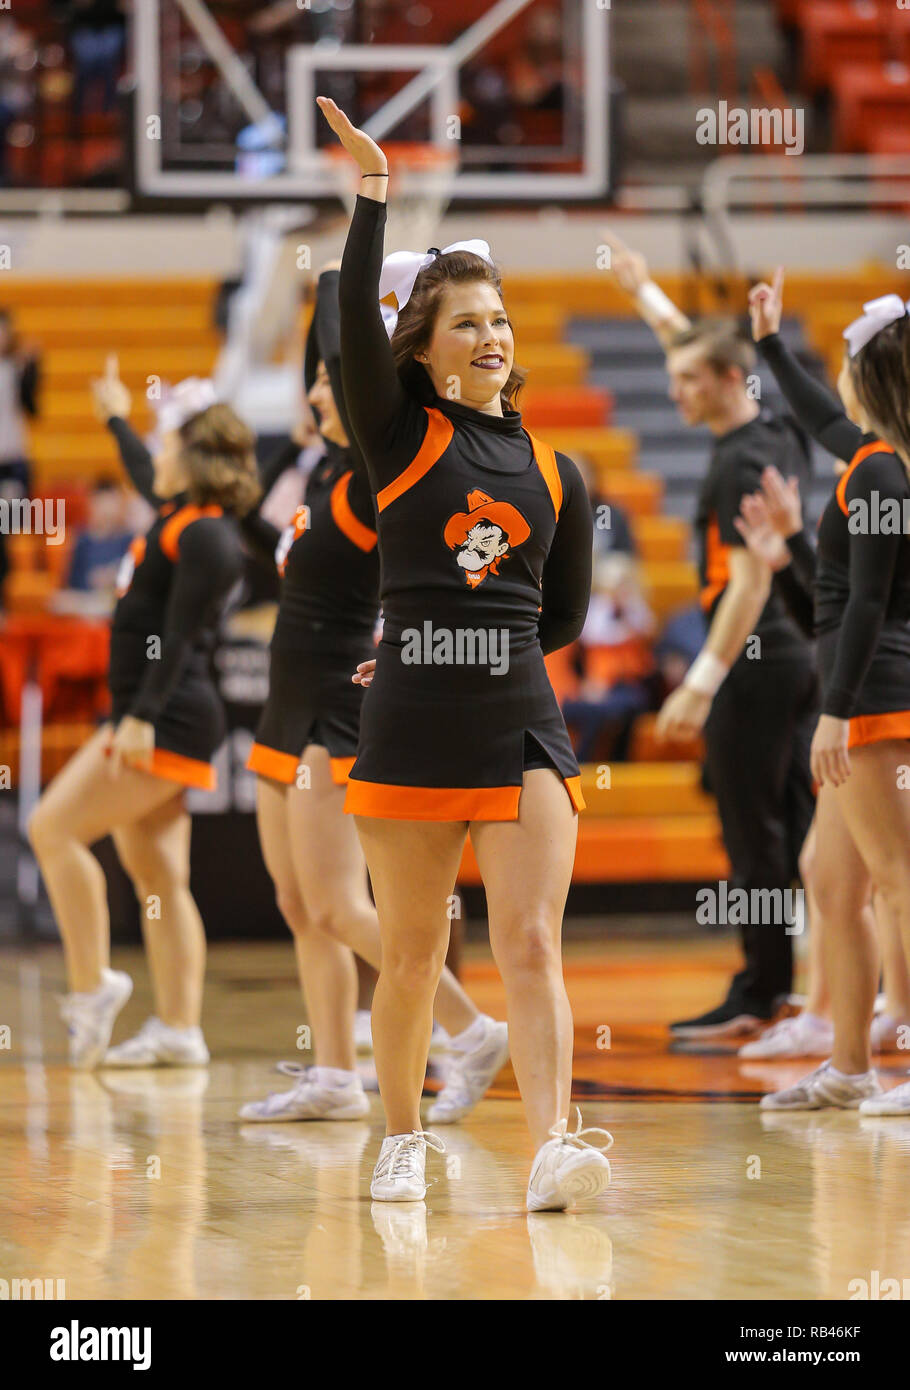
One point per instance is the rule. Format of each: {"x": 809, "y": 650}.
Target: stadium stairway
{"x": 160, "y": 329}
{"x": 597, "y": 390}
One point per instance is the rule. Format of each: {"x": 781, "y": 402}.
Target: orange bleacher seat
{"x": 573, "y": 406}
{"x": 836, "y": 32}
{"x": 661, "y": 538}
{"x": 561, "y": 670}
{"x": 640, "y": 849}
{"x": 58, "y": 744}
{"x": 639, "y": 494}
{"x": 63, "y": 652}
{"x": 554, "y": 364}
{"x": 890, "y": 141}
{"x": 645, "y": 747}
{"x": 869, "y": 97}
{"x": 74, "y": 495}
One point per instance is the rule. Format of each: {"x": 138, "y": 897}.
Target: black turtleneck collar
{"x": 509, "y": 423}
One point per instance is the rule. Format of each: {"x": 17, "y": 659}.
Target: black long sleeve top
{"x": 391, "y": 425}
{"x": 862, "y": 589}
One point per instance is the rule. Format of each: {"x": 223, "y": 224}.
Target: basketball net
{"x": 421, "y": 176}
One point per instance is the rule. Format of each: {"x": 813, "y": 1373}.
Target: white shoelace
{"x": 276, "y": 1099}
{"x": 403, "y": 1159}
{"x": 561, "y": 1131}
{"x": 291, "y": 1069}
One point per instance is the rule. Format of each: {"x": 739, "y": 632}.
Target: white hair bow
{"x": 876, "y": 315}
{"x": 401, "y": 269}
{"x": 188, "y": 398}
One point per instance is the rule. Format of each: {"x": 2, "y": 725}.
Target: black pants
{"x": 758, "y": 737}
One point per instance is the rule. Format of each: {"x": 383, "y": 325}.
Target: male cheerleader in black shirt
{"x": 752, "y": 689}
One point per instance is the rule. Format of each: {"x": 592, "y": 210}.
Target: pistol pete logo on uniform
{"x": 289, "y": 535}
{"x": 484, "y": 535}
{"x": 129, "y": 564}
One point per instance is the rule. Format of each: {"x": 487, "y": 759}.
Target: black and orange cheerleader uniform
{"x": 329, "y": 561}
{"x": 862, "y": 573}
{"x": 173, "y": 585}
{"x": 485, "y": 539}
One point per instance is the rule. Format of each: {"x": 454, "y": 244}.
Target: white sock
{"x": 849, "y": 1076}
{"x": 332, "y": 1077}
{"x": 472, "y": 1036}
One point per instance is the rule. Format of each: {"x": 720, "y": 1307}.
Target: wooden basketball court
{"x": 144, "y": 1184}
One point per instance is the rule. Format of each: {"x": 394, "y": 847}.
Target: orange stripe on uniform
{"x": 172, "y": 530}
{"x": 545, "y": 458}
{"x": 576, "y": 795}
{"x": 717, "y": 566}
{"x": 269, "y": 762}
{"x": 346, "y": 521}
{"x": 878, "y": 728}
{"x": 387, "y": 802}
{"x": 341, "y": 769}
{"x": 174, "y": 767}
{"x": 876, "y": 447}
{"x": 435, "y": 442}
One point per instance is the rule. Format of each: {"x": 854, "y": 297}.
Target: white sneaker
{"x": 90, "y": 1017}
{"x": 895, "y": 1102}
{"x": 468, "y": 1074}
{"x": 158, "y": 1045}
{"x": 566, "y": 1169}
{"x": 887, "y": 1033}
{"x": 805, "y": 1035}
{"x": 400, "y": 1172}
{"x": 822, "y": 1088}
{"x": 311, "y": 1098}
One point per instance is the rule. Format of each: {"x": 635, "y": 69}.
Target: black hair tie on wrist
{"x": 374, "y": 176}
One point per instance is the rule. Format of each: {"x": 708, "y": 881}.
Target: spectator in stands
{"x": 17, "y": 61}
{"x": 97, "y": 36}
{"x": 536, "y": 71}
{"x": 19, "y": 380}
{"x": 102, "y": 544}
{"x": 616, "y": 660}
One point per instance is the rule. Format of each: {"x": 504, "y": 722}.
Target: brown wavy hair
{"x": 723, "y": 343}
{"x": 418, "y": 319}
{"x": 881, "y": 379}
{"x": 218, "y": 452}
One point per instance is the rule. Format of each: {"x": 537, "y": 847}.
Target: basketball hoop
{"x": 421, "y": 177}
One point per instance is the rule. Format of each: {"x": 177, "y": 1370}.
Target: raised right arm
{"x": 136, "y": 459}
{"x": 388, "y": 424}
{"x": 630, "y": 270}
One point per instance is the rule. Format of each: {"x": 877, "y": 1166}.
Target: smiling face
{"x": 169, "y": 473}
{"x": 471, "y": 350}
